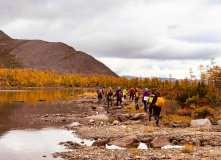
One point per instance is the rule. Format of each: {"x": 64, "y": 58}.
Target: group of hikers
{"x": 152, "y": 102}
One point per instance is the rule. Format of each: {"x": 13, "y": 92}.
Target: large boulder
{"x": 200, "y": 122}
{"x": 219, "y": 122}
{"x": 99, "y": 117}
{"x": 146, "y": 140}
{"x": 126, "y": 142}
{"x": 101, "y": 142}
{"x": 138, "y": 116}
{"x": 123, "y": 117}
{"x": 159, "y": 142}
{"x": 100, "y": 109}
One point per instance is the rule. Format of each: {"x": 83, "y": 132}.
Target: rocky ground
{"x": 128, "y": 130}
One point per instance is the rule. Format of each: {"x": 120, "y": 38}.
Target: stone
{"x": 100, "y": 109}
{"x": 219, "y": 122}
{"x": 146, "y": 140}
{"x": 100, "y": 142}
{"x": 200, "y": 122}
{"x": 123, "y": 117}
{"x": 138, "y": 116}
{"x": 18, "y": 101}
{"x": 99, "y": 117}
{"x": 177, "y": 124}
{"x": 115, "y": 122}
{"x": 159, "y": 142}
{"x": 91, "y": 121}
{"x": 126, "y": 142}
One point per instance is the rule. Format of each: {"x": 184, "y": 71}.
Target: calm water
{"x": 21, "y": 138}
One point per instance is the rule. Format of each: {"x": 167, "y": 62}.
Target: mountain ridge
{"x": 43, "y": 55}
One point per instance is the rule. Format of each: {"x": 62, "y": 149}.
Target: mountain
{"x": 162, "y": 78}
{"x": 42, "y": 55}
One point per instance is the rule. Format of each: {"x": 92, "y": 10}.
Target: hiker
{"x": 157, "y": 109}
{"x": 136, "y": 98}
{"x": 100, "y": 92}
{"x": 131, "y": 93}
{"x": 119, "y": 95}
{"x": 145, "y": 99}
{"x": 125, "y": 93}
{"x": 151, "y": 105}
{"x": 110, "y": 97}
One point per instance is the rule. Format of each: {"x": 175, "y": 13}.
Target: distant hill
{"x": 42, "y": 55}
{"x": 163, "y": 79}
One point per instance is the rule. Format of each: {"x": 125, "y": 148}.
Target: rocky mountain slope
{"x": 42, "y": 55}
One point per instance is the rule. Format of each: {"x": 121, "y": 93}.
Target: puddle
{"x": 33, "y": 144}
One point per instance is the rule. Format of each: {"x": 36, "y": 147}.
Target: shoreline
{"x": 127, "y": 130}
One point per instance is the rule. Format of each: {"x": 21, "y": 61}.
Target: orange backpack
{"x": 100, "y": 91}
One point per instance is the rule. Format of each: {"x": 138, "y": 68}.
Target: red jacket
{"x": 132, "y": 91}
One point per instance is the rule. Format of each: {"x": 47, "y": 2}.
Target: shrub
{"x": 171, "y": 106}
{"x": 213, "y": 100}
{"x": 194, "y": 99}
{"x": 204, "y": 111}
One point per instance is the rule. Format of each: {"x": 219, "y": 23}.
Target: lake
{"x": 23, "y": 138}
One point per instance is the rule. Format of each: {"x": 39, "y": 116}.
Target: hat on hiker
{"x": 118, "y": 88}
{"x": 146, "y": 89}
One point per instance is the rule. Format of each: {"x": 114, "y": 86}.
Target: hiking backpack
{"x": 100, "y": 91}
{"x": 159, "y": 102}
{"x": 110, "y": 93}
{"x": 136, "y": 94}
{"x": 119, "y": 94}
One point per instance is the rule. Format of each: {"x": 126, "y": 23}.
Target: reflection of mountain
{"x": 42, "y": 55}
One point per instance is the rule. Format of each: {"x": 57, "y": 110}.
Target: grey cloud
{"x": 203, "y": 37}
{"x": 103, "y": 29}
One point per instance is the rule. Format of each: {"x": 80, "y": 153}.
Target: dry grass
{"x": 187, "y": 149}
{"x": 133, "y": 109}
{"x": 150, "y": 129}
{"x": 176, "y": 118}
{"x": 89, "y": 94}
{"x": 135, "y": 150}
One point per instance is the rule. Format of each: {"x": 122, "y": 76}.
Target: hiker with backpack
{"x": 145, "y": 99}
{"x": 119, "y": 95}
{"x": 136, "y": 98}
{"x": 158, "y": 102}
{"x": 110, "y": 97}
{"x": 151, "y": 105}
{"x": 125, "y": 93}
{"x": 100, "y": 93}
{"x": 132, "y": 93}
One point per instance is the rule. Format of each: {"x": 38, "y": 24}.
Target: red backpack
{"x": 120, "y": 94}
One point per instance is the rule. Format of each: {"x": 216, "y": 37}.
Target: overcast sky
{"x": 132, "y": 37}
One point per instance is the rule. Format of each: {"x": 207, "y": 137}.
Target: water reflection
{"x": 32, "y": 96}
{"x": 33, "y": 144}
{"x": 22, "y": 136}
